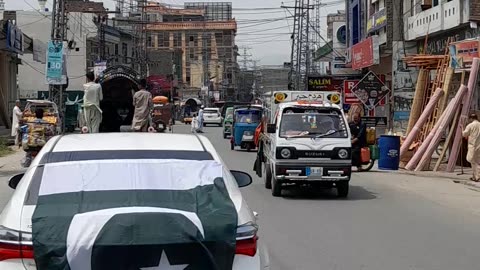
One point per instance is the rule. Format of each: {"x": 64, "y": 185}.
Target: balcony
{"x": 439, "y": 18}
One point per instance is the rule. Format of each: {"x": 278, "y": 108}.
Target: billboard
{"x": 366, "y": 53}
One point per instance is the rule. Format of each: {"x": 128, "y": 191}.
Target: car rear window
{"x": 212, "y": 111}
{"x": 57, "y": 157}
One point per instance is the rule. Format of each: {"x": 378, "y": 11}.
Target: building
{"x": 197, "y": 42}
{"x": 340, "y": 16}
{"x": 440, "y": 20}
{"x": 85, "y": 48}
{"x": 273, "y": 78}
{"x": 14, "y": 44}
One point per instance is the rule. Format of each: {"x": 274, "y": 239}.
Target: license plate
{"x": 314, "y": 171}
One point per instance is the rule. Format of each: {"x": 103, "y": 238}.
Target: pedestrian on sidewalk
{"x": 16, "y": 116}
{"x": 91, "y": 104}
{"x": 143, "y": 103}
{"x": 472, "y": 133}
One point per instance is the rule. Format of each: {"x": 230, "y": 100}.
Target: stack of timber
{"x": 441, "y": 118}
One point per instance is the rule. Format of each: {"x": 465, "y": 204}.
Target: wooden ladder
{"x": 439, "y": 82}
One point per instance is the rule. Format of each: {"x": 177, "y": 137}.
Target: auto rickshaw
{"x": 245, "y": 121}
{"x": 227, "y": 123}
{"x": 161, "y": 114}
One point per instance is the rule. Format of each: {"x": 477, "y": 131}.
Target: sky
{"x": 263, "y": 30}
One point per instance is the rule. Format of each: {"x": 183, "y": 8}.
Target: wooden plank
{"x": 448, "y": 141}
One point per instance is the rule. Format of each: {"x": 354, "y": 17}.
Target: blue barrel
{"x": 389, "y": 152}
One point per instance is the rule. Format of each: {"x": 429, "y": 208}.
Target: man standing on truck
{"x": 143, "y": 103}
{"x": 359, "y": 139}
{"x": 91, "y": 104}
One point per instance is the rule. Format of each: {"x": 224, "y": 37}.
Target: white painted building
{"x": 83, "y": 49}
{"x": 436, "y": 16}
{"x": 31, "y": 74}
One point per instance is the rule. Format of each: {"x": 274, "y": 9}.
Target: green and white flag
{"x": 137, "y": 214}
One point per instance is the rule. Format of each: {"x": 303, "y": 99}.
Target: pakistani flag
{"x": 134, "y": 214}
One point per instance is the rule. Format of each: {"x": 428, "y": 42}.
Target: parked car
{"x": 111, "y": 156}
{"x": 212, "y": 116}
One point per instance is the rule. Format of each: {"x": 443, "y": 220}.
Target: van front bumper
{"x": 313, "y": 170}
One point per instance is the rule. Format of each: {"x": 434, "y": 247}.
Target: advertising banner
{"x": 463, "y": 52}
{"x": 348, "y": 96}
{"x": 377, "y": 21}
{"x": 55, "y": 62}
{"x": 370, "y": 90}
{"x": 365, "y": 53}
{"x": 325, "y": 83}
{"x": 14, "y": 38}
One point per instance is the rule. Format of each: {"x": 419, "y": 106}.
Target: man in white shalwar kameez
{"x": 143, "y": 103}
{"x": 472, "y": 132}
{"x": 91, "y": 104}
{"x": 16, "y": 116}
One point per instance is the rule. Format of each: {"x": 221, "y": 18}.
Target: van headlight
{"x": 343, "y": 153}
{"x": 286, "y": 153}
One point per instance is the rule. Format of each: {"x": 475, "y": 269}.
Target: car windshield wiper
{"x": 330, "y": 132}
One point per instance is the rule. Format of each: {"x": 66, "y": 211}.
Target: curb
{"x": 449, "y": 176}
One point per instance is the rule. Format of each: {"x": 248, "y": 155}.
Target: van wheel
{"x": 268, "y": 176}
{"x": 342, "y": 189}
{"x": 224, "y": 135}
{"x": 249, "y": 147}
{"x": 276, "y": 188}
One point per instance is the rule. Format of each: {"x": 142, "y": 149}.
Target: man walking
{"x": 91, "y": 104}
{"x": 143, "y": 103}
{"x": 16, "y": 116}
{"x": 472, "y": 133}
{"x": 200, "y": 119}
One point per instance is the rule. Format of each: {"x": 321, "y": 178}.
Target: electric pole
{"x": 300, "y": 56}
{"x": 58, "y": 36}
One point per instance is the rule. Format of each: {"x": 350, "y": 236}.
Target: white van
{"x": 307, "y": 143}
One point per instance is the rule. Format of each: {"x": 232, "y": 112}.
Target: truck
{"x": 305, "y": 141}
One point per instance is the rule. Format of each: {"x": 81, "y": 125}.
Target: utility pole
{"x": 58, "y": 36}
{"x": 300, "y": 56}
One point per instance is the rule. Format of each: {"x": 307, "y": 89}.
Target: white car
{"x": 212, "y": 116}
{"x": 100, "y": 150}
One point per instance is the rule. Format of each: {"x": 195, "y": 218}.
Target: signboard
{"x": 366, "y": 53}
{"x": 375, "y": 122}
{"x": 14, "y": 38}
{"x": 348, "y": 96}
{"x": 39, "y": 51}
{"x": 463, "y": 52}
{"x": 377, "y": 21}
{"x": 437, "y": 44}
{"x": 370, "y": 90}
{"x": 99, "y": 68}
{"x": 325, "y": 83}
{"x": 55, "y": 62}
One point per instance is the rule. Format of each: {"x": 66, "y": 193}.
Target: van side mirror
{"x": 13, "y": 182}
{"x": 271, "y": 128}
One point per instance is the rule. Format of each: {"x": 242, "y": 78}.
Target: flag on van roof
{"x": 133, "y": 214}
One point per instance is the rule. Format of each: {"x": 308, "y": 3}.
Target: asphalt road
{"x": 381, "y": 226}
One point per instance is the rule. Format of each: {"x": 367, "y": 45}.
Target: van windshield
{"x": 321, "y": 124}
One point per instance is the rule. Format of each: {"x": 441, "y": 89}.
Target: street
{"x": 390, "y": 221}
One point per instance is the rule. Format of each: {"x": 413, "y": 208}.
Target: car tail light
{"x": 247, "y": 240}
{"x": 15, "y": 244}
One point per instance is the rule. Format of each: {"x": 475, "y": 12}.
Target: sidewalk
{"x": 11, "y": 163}
{"x": 457, "y": 176}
